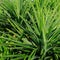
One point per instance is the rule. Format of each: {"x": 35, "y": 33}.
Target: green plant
{"x": 32, "y": 30}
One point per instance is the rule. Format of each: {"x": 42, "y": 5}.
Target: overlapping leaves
{"x": 33, "y": 32}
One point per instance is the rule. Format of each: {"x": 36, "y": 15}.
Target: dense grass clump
{"x": 29, "y": 29}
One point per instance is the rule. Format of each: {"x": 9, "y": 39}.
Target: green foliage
{"x": 30, "y": 30}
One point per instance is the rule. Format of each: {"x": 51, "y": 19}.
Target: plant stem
{"x": 44, "y": 38}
